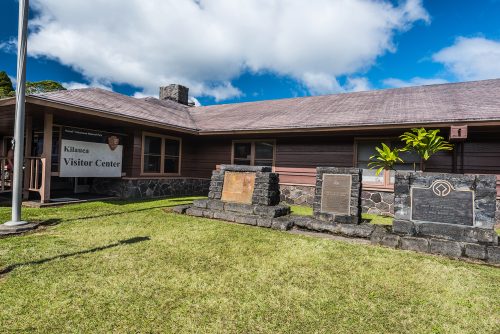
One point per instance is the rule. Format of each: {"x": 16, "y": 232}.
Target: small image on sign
{"x": 442, "y": 188}
{"x": 113, "y": 142}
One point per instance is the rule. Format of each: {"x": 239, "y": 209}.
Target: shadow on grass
{"x": 177, "y": 198}
{"x": 8, "y": 269}
{"x": 57, "y": 221}
{"x": 115, "y": 213}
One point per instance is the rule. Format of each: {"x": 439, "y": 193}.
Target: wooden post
{"x": 47, "y": 155}
{"x": 27, "y": 153}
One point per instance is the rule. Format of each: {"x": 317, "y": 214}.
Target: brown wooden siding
{"x": 201, "y": 155}
{"x": 132, "y": 163}
{"x": 440, "y": 162}
{"x": 482, "y": 157}
{"x": 297, "y": 158}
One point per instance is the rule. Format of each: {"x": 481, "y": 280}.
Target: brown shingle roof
{"x": 445, "y": 103}
{"x": 457, "y": 102}
{"x": 148, "y": 109}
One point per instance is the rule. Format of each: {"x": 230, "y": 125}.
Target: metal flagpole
{"x": 18, "y": 141}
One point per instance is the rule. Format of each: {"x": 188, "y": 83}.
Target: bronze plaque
{"x": 441, "y": 203}
{"x": 336, "y": 194}
{"x": 238, "y": 187}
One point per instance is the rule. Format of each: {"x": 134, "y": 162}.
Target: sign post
{"x": 18, "y": 142}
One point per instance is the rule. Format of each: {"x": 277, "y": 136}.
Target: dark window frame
{"x": 386, "y": 184}
{"x": 253, "y": 143}
{"x": 163, "y": 156}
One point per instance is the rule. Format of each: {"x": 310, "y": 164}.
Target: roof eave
{"x": 7, "y": 101}
{"x": 492, "y": 122}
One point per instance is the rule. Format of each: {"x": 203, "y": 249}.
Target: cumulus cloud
{"x": 416, "y": 81}
{"x": 80, "y": 85}
{"x": 357, "y": 85}
{"x": 471, "y": 58}
{"x": 204, "y": 44}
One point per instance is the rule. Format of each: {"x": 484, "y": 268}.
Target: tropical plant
{"x": 384, "y": 159}
{"x": 424, "y": 143}
{"x": 43, "y": 87}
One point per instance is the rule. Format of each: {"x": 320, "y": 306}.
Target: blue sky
{"x": 233, "y": 54}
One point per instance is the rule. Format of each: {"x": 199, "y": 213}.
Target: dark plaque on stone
{"x": 336, "y": 193}
{"x": 441, "y": 203}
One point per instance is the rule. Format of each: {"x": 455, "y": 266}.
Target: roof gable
{"x": 161, "y": 112}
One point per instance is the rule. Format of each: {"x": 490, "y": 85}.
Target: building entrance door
{"x": 82, "y": 185}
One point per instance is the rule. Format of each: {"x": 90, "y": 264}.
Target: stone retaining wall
{"x": 298, "y": 195}
{"x": 469, "y": 218}
{"x": 377, "y": 202}
{"x": 150, "y": 188}
{"x": 374, "y": 202}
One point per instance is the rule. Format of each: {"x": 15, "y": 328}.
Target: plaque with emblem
{"x": 336, "y": 193}
{"x": 238, "y": 187}
{"x": 442, "y": 203}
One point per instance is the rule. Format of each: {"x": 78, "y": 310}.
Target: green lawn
{"x": 133, "y": 268}
{"x": 301, "y": 210}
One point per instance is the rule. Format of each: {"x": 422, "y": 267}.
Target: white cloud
{"x": 13, "y": 80}
{"x": 320, "y": 83}
{"x": 194, "y": 101}
{"x": 204, "y": 44}
{"x": 471, "y": 58}
{"x": 357, "y": 85}
{"x": 416, "y": 81}
{"x": 9, "y": 46}
{"x": 324, "y": 84}
{"x": 80, "y": 85}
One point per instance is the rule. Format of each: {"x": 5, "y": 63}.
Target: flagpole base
{"x": 17, "y": 228}
{"x": 18, "y": 223}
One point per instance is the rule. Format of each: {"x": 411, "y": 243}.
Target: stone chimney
{"x": 175, "y": 93}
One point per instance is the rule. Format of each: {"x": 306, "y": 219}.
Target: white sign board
{"x": 90, "y": 154}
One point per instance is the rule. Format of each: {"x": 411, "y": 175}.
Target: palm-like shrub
{"x": 384, "y": 159}
{"x": 424, "y": 143}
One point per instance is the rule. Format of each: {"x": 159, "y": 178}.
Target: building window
{"x": 161, "y": 154}
{"x": 172, "y": 156}
{"x": 254, "y": 152}
{"x": 366, "y": 148}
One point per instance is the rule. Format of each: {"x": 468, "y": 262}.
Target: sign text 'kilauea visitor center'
{"x": 86, "y": 153}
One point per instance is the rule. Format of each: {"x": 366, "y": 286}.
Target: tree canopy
{"x": 6, "y": 88}
{"x": 32, "y": 87}
{"x": 43, "y": 86}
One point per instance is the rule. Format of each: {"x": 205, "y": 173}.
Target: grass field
{"x": 134, "y": 268}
